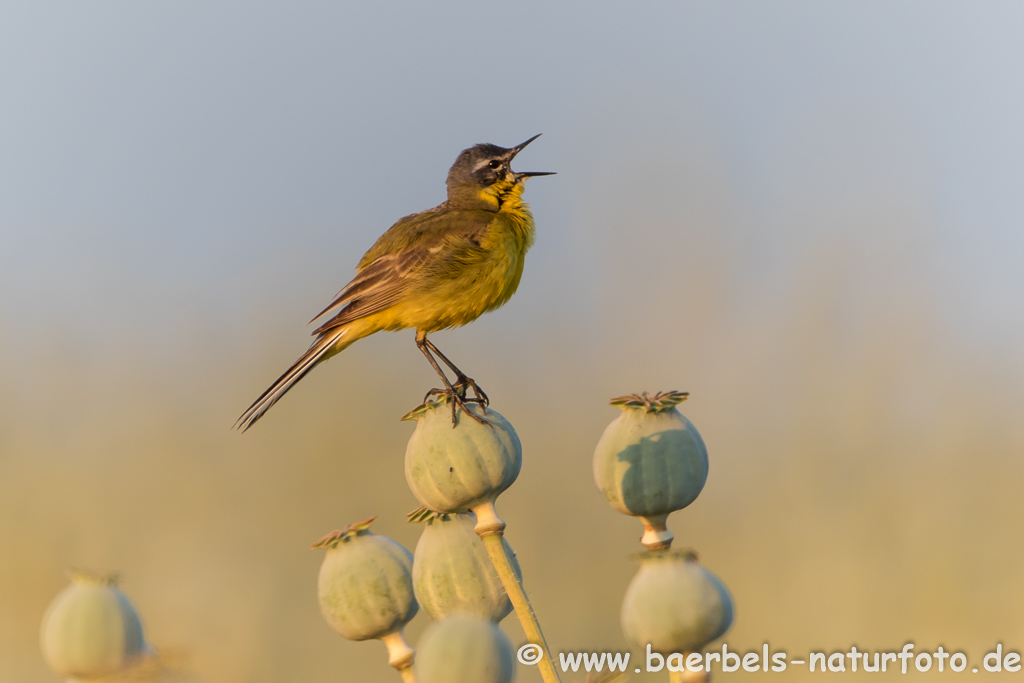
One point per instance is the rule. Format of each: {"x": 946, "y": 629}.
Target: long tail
{"x": 322, "y": 348}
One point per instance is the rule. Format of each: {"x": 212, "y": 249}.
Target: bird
{"x": 433, "y": 270}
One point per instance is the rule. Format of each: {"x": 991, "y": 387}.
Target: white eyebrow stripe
{"x": 503, "y": 158}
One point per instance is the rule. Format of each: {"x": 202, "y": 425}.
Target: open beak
{"x": 528, "y": 174}
{"x": 519, "y": 148}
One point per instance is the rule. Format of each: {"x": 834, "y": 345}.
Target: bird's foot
{"x": 464, "y": 384}
{"x": 456, "y": 396}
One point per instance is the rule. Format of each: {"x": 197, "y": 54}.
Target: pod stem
{"x": 491, "y": 531}
{"x": 656, "y": 534}
{"x": 400, "y": 655}
{"x": 688, "y": 677}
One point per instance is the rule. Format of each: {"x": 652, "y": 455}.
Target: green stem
{"x": 492, "y": 530}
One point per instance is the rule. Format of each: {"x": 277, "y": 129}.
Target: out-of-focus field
{"x": 808, "y": 217}
{"x": 865, "y": 463}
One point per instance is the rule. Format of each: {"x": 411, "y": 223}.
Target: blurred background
{"x": 808, "y": 215}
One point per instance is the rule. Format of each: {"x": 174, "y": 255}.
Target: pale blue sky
{"x": 157, "y": 159}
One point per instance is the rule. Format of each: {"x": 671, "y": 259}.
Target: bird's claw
{"x": 457, "y": 397}
{"x": 465, "y": 384}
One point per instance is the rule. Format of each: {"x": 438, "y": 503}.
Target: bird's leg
{"x": 466, "y": 383}
{"x": 456, "y": 397}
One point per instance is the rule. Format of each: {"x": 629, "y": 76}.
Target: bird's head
{"x": 483, "y": 172}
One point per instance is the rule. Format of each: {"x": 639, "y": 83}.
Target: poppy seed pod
{"x": 91, "y": 629}
{"x": 674, "y": 604}
{"x": 451, "y": 571}
{"x": 461, "y": 468}
{"x": 650, "y": 462}
{"x": 365, "y": 585}
{"x": 464, "y": 649}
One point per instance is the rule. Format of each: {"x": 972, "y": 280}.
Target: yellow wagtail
{"x": 436, "y": 269}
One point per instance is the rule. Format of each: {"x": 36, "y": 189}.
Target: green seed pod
{"x": 464, "y": 649}
{"x": 91, "y": 629}
{"x": 365, "y": 585}
{"x": 650, "y": 462}
{"x": 675, "y": 605}
{"x": 452, "y": 573}
{"x": 451, "y": 470}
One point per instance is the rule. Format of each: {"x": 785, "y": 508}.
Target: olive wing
{"x": 424, "y": 245}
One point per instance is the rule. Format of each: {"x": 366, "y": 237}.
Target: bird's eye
{"x": 494, "y": 163}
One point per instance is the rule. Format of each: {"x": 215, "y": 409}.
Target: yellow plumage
{"x": 436, "y": 269}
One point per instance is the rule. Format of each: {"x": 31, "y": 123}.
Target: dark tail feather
{"x": 285, "y": 382}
